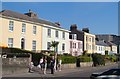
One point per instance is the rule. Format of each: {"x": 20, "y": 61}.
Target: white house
{"x": 58, "y": 34}
{"x": 101, "y": 47}
{"x": 76, "y": 46}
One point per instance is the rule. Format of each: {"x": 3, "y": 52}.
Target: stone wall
{"x": 14, "y": 65}
{"x": 82, "y": 64}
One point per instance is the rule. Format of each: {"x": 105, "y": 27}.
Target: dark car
{"x": 109, "y": 74}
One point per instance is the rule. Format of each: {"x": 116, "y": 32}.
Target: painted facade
{"x": 87, "y": 38}
{"x": 89, "y": 43}
{"x": 18, "y": 33}
{"x": 113, "y": 47}
{"x": 58, "y": 34}
{"x": 75, "y": 45}
{"x": 101, "y": 47}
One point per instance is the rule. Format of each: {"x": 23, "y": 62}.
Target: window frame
{"x": 11, "y": 26}
{"x": 48, "y": 45}
{"x": 34, "y": 45}
{"x": 10, "y": 42}
{"x": 63, "y": 35}
{"x": 57, "y": 34}
{"x": 63, "y": 47}
{"x": 23, "y": 27}
{"x": 49, "y": 32}
{"x": 34, "y": 30}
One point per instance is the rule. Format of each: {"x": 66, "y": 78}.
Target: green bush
{"x": 68, "y": 59}
{"x": 98, "y": 59}
{"x": 112, "y": 58}
{"x": 85, "y": 59}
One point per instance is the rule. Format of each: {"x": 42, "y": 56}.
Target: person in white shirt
{"x": 31, "y": 65}
{"x": 59, "y": 64}
{"x": 45, "y": 64}
{"x": 41, "y": 63}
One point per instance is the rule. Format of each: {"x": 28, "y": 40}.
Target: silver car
{"x": 109, "y": 74}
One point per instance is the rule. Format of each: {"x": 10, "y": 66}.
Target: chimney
{"x": 31, "y": 14}
{"x": 57, "y": 23}
{"x": 85, "y": 30}
{"x": 73, "y": 27}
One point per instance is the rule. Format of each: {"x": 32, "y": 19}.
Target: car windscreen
{"x": 112, "y": 72}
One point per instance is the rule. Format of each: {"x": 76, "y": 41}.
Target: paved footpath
{"x": 59, "y": 73}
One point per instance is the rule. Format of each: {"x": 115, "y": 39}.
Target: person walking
{"x": 31, "y": 65}
{"x": 59, "y": 64}
{"x": 52, "y": 62}
{"x": 45, "y": 65}
{"x": 41, "y": 63}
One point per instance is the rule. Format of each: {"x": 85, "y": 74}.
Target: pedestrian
{"x": 45, "y": 64}
{"x": 31, "y": 65}
{"x": 59, "y": 64}
{"x": 41, "y": 63}
{"x": 52, "y": 62}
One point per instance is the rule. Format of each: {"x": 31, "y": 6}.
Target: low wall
{"x": 82, "y": 64}
{"x": 14, "y": 65}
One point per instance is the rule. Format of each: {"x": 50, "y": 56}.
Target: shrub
{"x": 98, "y": 59}
{"x": 112, "y": 58}
{"x": 85, "y": 59}
{"x": 68, "y": 59}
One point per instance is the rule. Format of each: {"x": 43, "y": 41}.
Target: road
{"x": 77, "y": 73}
{"x": 87, "y": 71}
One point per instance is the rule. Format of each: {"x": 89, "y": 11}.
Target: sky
{"x": 99, "y": 17}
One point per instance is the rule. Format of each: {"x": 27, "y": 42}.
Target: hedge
{"x": 68, "y": 59}
{"x": 72, "y": 59}
{"x": 98, "y": 59}
{"x": 85, "y": 59}
{"x": 112, "y": 58}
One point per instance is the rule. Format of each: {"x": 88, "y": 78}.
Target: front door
{"x": 22, "y": 43}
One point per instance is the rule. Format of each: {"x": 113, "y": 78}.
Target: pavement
{"x": 58, "y": 73}
{"x": 48, "y": 73}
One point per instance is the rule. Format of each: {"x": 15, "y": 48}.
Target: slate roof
{"x": 110, "y": 43}
{"x": 101, "y": 43}
{"x": 13, "y": 14}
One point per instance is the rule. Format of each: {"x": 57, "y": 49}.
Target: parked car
{"x": 109, "y": 74}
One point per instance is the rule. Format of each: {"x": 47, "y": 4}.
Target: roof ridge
{"x": 25, "y": 17}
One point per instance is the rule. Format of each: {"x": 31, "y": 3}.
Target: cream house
{"x": 27, "y": 31}
{"x": 20, "y": 30}
{"x": 112, "y": 48}
{"x": 89, "y": 42}
{"x": 56, "y": 33}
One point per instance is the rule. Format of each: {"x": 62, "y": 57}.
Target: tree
{"x": 54, "y": 44}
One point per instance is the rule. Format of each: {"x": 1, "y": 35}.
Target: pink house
{"x": 75, "y": 45}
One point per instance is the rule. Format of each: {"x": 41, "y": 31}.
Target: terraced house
{"x": 87, "y": 38}
{"x": 55, "y": 33}
{"x": 27, "y": 31}
{"x": 21, "y": 30}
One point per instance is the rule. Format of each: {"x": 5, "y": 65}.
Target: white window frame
{"x": 49, "y": 32}
{"x": 34, "y": 30}
{"x": 63, "y": 47}
{"x": 57, "y": 34}
{"x": 11, "y": 26}
{"x": 48, "y": 45}
{"x": 10, "y": 42}
{"x": 63, "y": 35}
{"x": 34, "y": 45}
{"x": 23, "y": 27}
